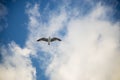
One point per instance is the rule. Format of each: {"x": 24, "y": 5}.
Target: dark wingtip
{"x": 37, "y": 40}
{"x": 59, "y": 39}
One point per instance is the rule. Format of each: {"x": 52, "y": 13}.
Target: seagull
{"x": 49, "y": 39}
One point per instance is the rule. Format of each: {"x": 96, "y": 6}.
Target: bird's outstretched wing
{"x": 54, "y": 39}
{"x": 43, "y": 39}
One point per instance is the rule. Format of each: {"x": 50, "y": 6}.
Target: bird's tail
{"x": 48, "y": 43}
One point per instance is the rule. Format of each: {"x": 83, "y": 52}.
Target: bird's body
{"x": 49, "y": 39}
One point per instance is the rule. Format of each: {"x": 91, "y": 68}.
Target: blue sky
{"x": 90, "y": 33}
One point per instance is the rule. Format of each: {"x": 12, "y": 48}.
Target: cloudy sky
{"x": 90, "y": 46}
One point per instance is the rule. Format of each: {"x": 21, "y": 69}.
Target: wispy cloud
{"x": 3, "y": 13}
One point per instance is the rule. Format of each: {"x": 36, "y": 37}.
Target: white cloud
{"x": 15, "y": 65}
{"x": 88, "y": 51}
{"x": 88, "y": 58}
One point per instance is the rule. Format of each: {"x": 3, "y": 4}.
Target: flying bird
{"x": 49, "y": 39}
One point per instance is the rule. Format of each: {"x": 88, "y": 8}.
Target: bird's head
{"x": 49, "y": 37}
